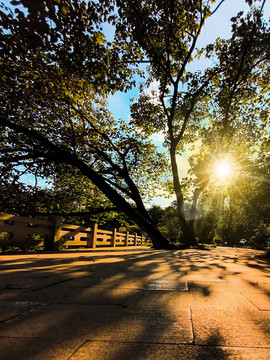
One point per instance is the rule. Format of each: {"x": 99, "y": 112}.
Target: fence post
{"x": 93, "y": 238}
{"x": 126, "y": 239}
{"x": 51, "y": 241}
{"x": 113, "y": 242}
{"x": 135, "y": 239}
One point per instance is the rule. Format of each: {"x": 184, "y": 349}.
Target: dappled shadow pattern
{"x": 88, "y": 298}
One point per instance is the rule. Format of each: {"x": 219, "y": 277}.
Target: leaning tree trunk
{"x": 145, "y": 223}
{"x": 60, "y": 155}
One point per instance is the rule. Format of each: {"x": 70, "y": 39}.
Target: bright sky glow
{"x": 223, "y": 170}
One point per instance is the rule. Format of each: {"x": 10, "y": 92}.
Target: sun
{"x": 223, "y": 170}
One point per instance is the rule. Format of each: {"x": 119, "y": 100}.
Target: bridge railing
{"x": 52, "y": 234}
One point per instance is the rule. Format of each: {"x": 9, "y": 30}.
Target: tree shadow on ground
{"x": 198, "y": 288}
{"x": 95, "y": 306}
{"x": 212, "y": 348}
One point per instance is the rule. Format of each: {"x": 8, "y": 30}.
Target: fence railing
{"x": 52, "y": 234}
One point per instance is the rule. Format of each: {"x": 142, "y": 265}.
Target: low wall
{"x": 52, "y": 233}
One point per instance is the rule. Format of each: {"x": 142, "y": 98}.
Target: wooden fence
{"x": 53, "y": 233}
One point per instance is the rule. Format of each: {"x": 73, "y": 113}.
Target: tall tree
{"x": 56, "y": 72}
{"x": 57, "y": 69}
{"x": 168, "y": 32}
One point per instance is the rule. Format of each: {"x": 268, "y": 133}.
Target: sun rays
{"x": 223, "y": 170}
{"x": 228, "y": 178}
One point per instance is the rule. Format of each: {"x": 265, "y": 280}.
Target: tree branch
{"x": 222, "y": 1}
{"x": 94, "y": 211}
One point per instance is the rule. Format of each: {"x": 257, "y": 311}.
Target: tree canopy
{"x": 58, "y": 68}
{"x": 232, "y": 94}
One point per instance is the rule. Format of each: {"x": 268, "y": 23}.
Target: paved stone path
{"x": 135, "y": 305}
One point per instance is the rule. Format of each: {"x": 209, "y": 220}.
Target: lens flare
{"x": 223, "y": 170}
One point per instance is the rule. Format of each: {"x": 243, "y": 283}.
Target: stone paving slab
{"x": 76, "y": 295}
{"x": 159, "y": 299}
{"x": 228, "y": 327}
{"x": 12, "y": 309}
{"x": 108, "y": 323}
{"x": 164, "y": 284}
{"x": 260, "y": 300}
{"x": 90, "y": 290}
{"x": 218, "y": 295}
{"x": 33, "y": 283}
{"x": 38, "y": 348}
{"x": 137, "y": 351}
{"x": 144, "y": 304}
{"x": 85, "y": 281}
{"x": 120, "y": 281}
